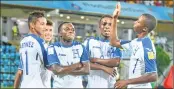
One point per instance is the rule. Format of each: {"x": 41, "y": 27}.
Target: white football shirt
{"x": 32, "y": 60}
{"x": 100, "y": 48}
{"x": 64, "y": 56}
{"x": 142, "y": 60}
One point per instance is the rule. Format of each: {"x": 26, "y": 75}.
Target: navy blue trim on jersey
{"x": 87, "y": 47}
{"x": 150, "y": 64}
{"x": 41, "y": 42}
{"x": 124, "y": 42}
{"x": 52, "y": 57}
{"x": 20, "y": 66}
{"x": 37, "y": 56}
{"x": 84, "y": 57}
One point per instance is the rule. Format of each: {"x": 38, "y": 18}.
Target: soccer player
{"x": 103, "y": 57}
{"x": 32, "y": 54}
{"x": 142, "y": 66}
{"x": 48, "y": 33}
{"x": 68, "y": 59}
{"x": 47, "y": 36}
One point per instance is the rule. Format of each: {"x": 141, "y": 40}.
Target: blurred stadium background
{"x": 85, "y": 16}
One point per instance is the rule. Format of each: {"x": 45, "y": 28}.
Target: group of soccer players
{"x": 67, "y": 60}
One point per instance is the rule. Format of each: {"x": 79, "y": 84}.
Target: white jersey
{"x": 100, "y": 48}
{"x": 64, "y": 56}
{"x": 142, "y": 60}
{"x": 32, "y": 59}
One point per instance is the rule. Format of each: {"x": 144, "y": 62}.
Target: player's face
{"x": 68, "y": 32}
{"x": 40, "y": 25}
{"x": 139, "y": 24}
{"x": 48, "y": 33}
{"x": 105, "y": 26}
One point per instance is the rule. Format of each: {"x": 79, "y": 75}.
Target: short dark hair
{"x": 33, "y": 16}
{"x": 49, "y": 22}
{"x": 60, "y": 26}
{"x": 150, "y": 22}
{"x": 104, "y": 16}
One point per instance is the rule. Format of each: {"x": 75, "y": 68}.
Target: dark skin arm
{"x": 57, "y": 69}
{"x": 82, "y": 71}
{"x": 152, "y": 77}
{"x": 113, "y": 62}
{"x": 110, "y": 71}
{"x": 18, "y": 78}
{"x": 114, "y": 41}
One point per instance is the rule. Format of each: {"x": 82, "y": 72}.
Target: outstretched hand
{"x": 117, "y": 10}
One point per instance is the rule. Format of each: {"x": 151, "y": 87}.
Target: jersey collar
{"x": 66, "y": 46}
{"x": 140, "y": 39}
{"x": 103, "y": 40}
{"x": 35, "y": 36}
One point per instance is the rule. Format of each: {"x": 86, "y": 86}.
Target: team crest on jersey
{"x": 151, "y": 55}
{"x": 76, "y": 53}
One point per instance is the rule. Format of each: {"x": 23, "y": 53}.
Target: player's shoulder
{"x": 146, "y": 41}
{"x": 75, "y": 43}
{"x": 27, "y": 38}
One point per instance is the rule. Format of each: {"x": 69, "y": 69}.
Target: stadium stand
{"x": 9, "y": 63}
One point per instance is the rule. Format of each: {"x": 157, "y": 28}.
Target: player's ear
{"x": 145, "y": 29}
{"x": 31, "y": 25}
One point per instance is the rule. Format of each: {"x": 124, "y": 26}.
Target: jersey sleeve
{"x": 52, "y": 56}
{"x": 85, "y": 56}
{"x": 125, "y": 44}
{"x": 117, "y": 53}
{"x": 20, "y": 66}
{"x": 149, "y": 56}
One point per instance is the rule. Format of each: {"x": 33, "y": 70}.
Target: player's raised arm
{"x": 114, "y": 41}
